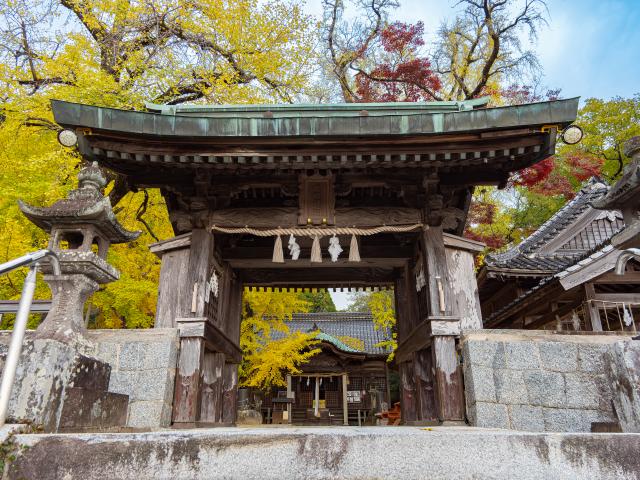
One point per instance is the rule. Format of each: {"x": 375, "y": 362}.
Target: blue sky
{"x": 591, "y": 48}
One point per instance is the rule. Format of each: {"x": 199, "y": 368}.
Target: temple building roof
{"x": 572, "y": 240}
{"x": 574, "y": 230}
{"x": 334, "y": 325}
{"x": 472, "y": 143}
{"x": 83, "y": 205}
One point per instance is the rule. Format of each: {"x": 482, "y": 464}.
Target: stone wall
{"x": 536, "y": 380}
{"x": 143, "y": 366}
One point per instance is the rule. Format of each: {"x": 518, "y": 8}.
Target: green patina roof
{"x": 311, "y": 109}
{"x": 325, "y": 337}
{"x": 314, "y": 120}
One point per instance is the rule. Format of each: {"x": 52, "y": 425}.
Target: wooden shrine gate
{"x": 388, "y": 184}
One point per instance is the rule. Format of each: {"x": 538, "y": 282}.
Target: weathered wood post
{"x": 209, "y": 325}
{"x": 443, "y": 327}
{"x": 345, "y": 400}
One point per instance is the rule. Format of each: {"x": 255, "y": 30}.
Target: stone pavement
{"x": 329, "y": 453}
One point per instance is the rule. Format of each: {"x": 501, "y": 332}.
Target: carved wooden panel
{"x": 317, "y": 200}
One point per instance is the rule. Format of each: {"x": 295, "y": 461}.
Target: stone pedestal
{"x": 62, "y": 390}
{"x": 623, "y": 365}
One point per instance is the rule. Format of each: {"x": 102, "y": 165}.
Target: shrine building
{"x": 317, "y": 196}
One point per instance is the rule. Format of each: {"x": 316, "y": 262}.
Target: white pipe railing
{"x": 20, "y": 324}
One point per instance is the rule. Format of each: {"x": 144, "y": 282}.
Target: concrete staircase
{"x": 328, "y": 452}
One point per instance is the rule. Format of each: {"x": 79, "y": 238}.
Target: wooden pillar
{"x": 448, "y": 377}
{"x": 345, "y": 402}
{"x": 316, "y": 408}
{"x": 426, "y": 406}
{"x": 289, "y": 395}
{"x": 229, "y": 393}
{"x": 408, "y": 404}
{"x": 200, "y": 258}
{"x": 188, "y": 392}
{"x": 174, "y": 254}
{"x": 592, "y": 310}
{"x": 211, "y": 407}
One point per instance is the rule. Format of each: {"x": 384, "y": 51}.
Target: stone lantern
{"x": 82, "y": 227}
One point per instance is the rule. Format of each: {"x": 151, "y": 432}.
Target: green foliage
{"x": 319, "y": 301}
{"x": 607, "y": 125}
{"x": 121, "y": 53}
{"x": 381, "y": 305}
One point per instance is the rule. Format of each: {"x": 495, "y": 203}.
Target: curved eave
{"x": 73, "y": 115}
{"x": 46, "y": 218}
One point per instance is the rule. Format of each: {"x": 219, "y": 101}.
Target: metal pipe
{"x": 17, "y": 337}
{"x": 20, "y": 324}
{"x": 623, "y": 259}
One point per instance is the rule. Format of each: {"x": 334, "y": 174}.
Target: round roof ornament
{"x": 572, "y": 135}
{"x": 67, "y": 137}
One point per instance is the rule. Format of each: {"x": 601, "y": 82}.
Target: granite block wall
{"x": 143, "y": 366}
{"x": 537, "y": 381}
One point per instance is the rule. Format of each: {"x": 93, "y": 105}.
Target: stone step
{"x": 331, "y": 452}
{"x": 92, "y": 410}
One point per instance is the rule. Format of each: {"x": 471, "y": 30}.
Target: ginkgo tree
{"x": 122, "y": 53}
{"x": 266, "y": 360}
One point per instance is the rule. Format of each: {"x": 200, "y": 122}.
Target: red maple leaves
{"x": 401, "y": 74}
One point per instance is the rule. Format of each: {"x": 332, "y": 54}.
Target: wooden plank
{"x": 188, "y": 387}
{"x": 200, "y": 257}
{"x": 420, "y": 337}
{"x": 461, "y": 243}
{"x": 215, "y": 339}
{"x": 178, "y": 242}
{"x": 315, "y": 277}
{"x": 172, "y": 288}
{"x": 592, "y": 310}
{"x": 629, "y": 278}
{"x": 597, "y": 267}
{"x": 436, "y": 271}
{"x": 408, "y": 401}
{"x": 212, "y": 379}
{"x": 464, "y": 288}
{"x": 426, "y": 401}
{"x": 448, "y": 380}
{"x": 229, "y": 393}
{"x": 618, "y": 297}
{"x": 288, "y": 216}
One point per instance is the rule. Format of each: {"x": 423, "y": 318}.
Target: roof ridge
{"x": 542, "y": 235}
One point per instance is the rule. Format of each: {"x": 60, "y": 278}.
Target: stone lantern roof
{"x": 83, "y": 206}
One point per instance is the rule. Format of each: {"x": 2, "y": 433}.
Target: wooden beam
{"x": 215, "y": 339}
{"x": 629, "y": 278}
{"x": 592, "y": 310}
{"x": 618, "y": 297}
{"x": 316, "y": 277}
{"x": 421, "y": 336}
{"x": 361, "y": 217}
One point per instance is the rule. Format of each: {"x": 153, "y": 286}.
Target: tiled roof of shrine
{"x": 342, "y": 324}
{"x": 576, "y": 229}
